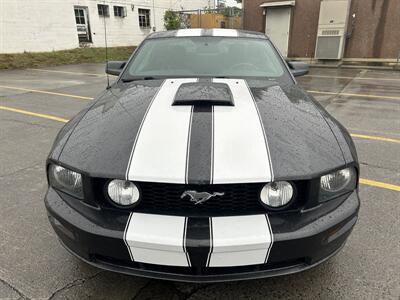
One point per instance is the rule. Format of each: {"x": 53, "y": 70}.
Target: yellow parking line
{"x": 29, "y": 113}
{"x": 380, "y": 184}
{"x": 49, "y": 117}
{"x": 376, "y": 138}
{"x": 354, "y": 95}
{"x": 355, "y": 78}
{"x": 67, "y": 72}
{"x": 362, "y": 136}
{"x": 45, "y": 92}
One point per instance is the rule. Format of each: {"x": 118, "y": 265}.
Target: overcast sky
{"x": 231, "y": 3}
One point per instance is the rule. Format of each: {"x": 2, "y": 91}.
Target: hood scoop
{"x": 204, "y": 93}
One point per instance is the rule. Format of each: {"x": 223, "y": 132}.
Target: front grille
{"x": 166, "y": 198}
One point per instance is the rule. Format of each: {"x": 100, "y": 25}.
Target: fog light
{"x": 276, "y": 194}
{"x": 123, "y": 192}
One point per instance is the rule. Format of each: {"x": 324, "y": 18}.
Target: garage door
{"x": 277, "y": 27}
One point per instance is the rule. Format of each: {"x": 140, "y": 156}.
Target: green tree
{"x": 171, "y": 20}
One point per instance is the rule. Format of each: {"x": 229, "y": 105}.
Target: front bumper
{"x": 300, "y": 241}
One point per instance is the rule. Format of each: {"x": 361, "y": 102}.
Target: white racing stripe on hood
{"x": 159, "y": 154}
{"x": 240, "y": 146}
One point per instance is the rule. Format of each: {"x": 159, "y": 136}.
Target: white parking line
{"x": 69, "y": 72}
{"x": 354, "y": 95}
{"x": 353, "y": 78}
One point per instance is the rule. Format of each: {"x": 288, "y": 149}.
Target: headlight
{"x": 276, "y": 194}
{"x": 66, "y": 180}
{"x": 337, "y": 183}
{"x": 123, "y": 192}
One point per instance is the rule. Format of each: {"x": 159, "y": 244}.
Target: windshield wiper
{"x": 138, "y": 78}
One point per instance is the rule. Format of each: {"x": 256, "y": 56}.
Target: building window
{"x": 80, "y": 16}
{"x": 103, "y": 10}
{"x": 119, "y": 11}
{"x": 144, "y": 18}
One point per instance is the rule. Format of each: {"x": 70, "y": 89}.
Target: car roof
{"x": 208, "y": 32}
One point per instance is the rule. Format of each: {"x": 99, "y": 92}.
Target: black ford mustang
{"x": 204, "y": 161}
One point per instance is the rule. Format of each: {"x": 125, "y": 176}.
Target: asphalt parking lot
{"x": 34, "y": 105}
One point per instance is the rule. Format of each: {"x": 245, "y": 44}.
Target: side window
{"x": 119, "y": 11}
{"x": 103, "y": 10}
{"x": 144, "y": 18}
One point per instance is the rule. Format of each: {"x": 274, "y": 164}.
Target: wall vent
{"x": 330, "y": 32}
{"x": 332, "y": 27}
{"x": 328, "y": 47}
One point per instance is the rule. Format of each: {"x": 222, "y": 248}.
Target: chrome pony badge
{"x": 200, "y": 197}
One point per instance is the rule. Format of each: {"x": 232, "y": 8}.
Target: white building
{"x": 50, "y": 25}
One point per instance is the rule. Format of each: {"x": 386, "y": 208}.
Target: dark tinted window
{"x": 103, "y": 10}
{"x": 119, "y": 11}
{"x": 144, "y": 18}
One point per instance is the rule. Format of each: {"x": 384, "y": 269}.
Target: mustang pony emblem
{"x": 199, "y": 198}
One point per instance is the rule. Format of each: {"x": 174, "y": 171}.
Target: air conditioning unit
{"x": 332, "y": 29}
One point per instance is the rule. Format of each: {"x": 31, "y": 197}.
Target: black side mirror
{"x": 298, "y": 68}
{"x": 115, "y": 67}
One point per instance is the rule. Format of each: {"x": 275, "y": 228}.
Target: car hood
{"x": 271, "y": 132}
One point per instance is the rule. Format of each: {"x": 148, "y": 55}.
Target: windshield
{"x": 206, "y": 57}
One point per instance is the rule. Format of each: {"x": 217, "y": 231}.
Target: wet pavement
{"x": 34, "y": 265}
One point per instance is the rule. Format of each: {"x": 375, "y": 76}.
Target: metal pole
{"x": 199, "y": 18}
{"x": 154, "y": 16}
{"x": 105, "y": 43}
{"x": 242, "y": 16}
{"x": 231, "y": 17}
